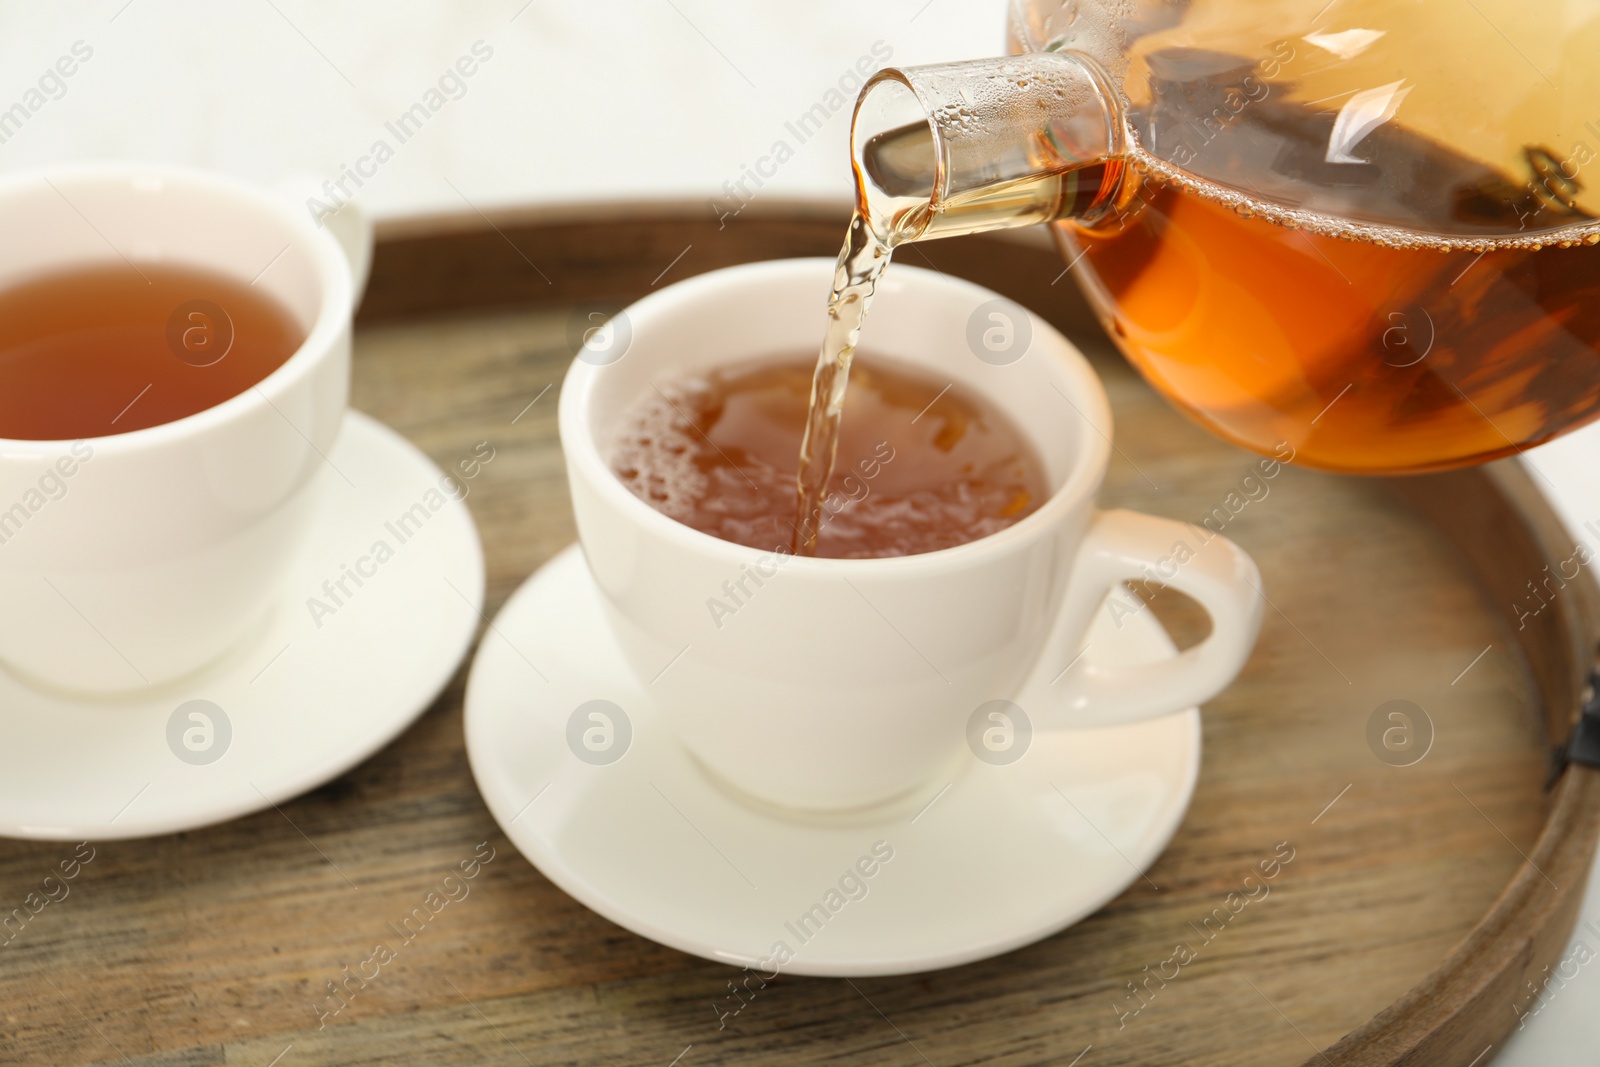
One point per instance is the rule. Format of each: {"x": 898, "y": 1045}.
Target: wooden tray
{"x": 1418, "y": 902}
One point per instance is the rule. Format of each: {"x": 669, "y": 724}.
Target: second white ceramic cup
{"x": 131, "y": 559}
{"x": 841, "y": 683}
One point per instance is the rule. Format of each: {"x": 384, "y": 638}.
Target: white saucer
{"x": 985, "y": 859}
{"x": 303, "y": 703}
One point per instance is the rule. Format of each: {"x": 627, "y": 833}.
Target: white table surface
{"x": 622, "y": 99}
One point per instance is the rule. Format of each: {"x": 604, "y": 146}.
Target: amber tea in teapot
{"x": 1368, "y": 236}
{"x": 1370, "y": 355}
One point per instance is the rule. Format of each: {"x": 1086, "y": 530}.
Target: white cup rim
{"x": 333, "y": 273}
{"x": 1074, "y": 374}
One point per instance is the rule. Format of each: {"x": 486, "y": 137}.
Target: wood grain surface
{"x": 1417, "y": 900}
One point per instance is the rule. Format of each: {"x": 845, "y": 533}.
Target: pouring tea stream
{"x": 1360, "y": 274}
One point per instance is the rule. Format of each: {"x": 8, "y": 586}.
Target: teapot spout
{"x": 989, "y": 144}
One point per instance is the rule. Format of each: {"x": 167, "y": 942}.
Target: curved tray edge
{"x": 1467, "y": 1004}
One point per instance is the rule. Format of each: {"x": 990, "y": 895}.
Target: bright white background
{"x": 628, "y": 99}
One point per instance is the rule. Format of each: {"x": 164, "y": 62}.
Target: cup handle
{"x": 1124, "y": 545}
{"x": 350, "y": 226}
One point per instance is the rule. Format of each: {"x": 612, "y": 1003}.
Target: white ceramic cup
{"x": 841, "y": 683}
{"x": 133, "y": 559}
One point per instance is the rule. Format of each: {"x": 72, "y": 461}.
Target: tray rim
{"x": 1450, "y": 1016}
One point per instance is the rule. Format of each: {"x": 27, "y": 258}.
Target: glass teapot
{"x": 1358, "y": 227}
